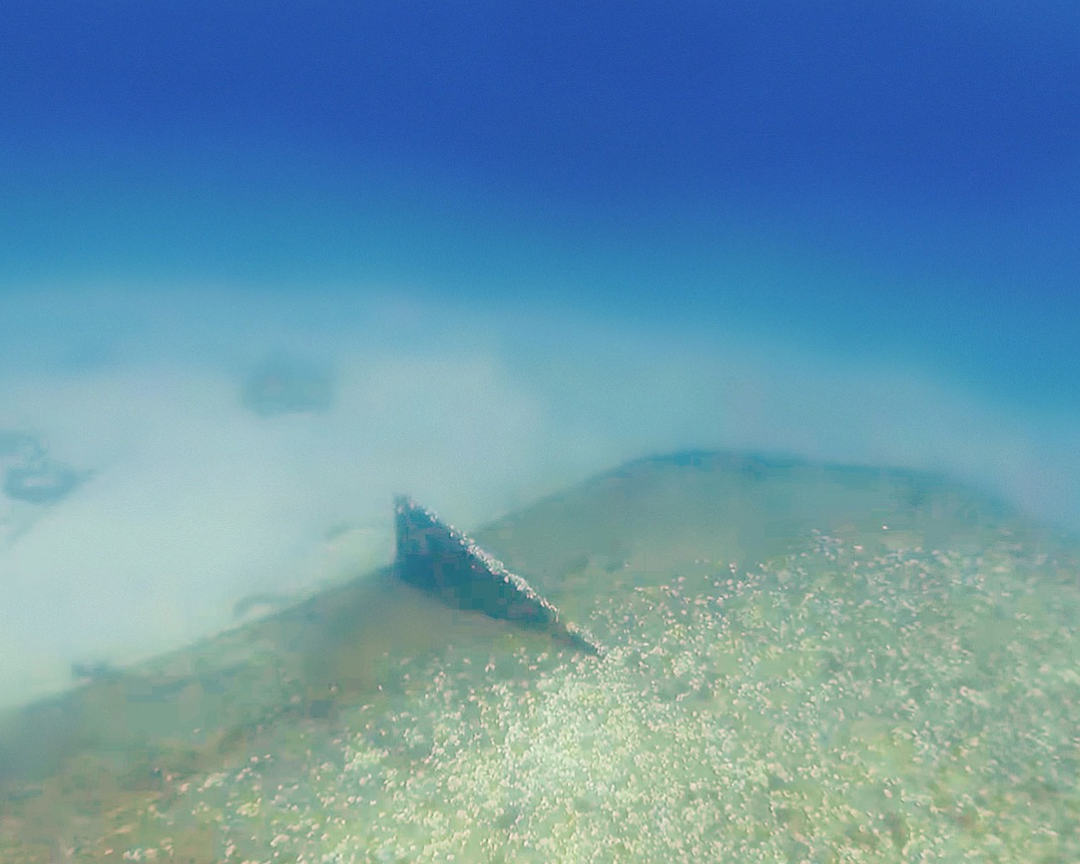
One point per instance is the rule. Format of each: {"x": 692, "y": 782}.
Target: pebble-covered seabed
{"x": 834, "y": 705}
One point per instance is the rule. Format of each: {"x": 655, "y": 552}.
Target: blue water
{"x": 843, "y": 230}
{"x": 897, "y": 182}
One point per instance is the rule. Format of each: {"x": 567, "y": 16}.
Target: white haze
{"x": 197, "y": 502}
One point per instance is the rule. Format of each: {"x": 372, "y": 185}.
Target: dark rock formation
{"x": 441, "y": 560}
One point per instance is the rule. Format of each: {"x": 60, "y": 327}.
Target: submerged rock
{"x": 443, "y": 561}
{"x": 19, "y": 445}
{"x": 85, "y": 673}
{"x": 45, "y": 482}
{"x": 283, "y": 386}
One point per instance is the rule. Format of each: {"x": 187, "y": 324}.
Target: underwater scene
{"x": 539, "y": 432}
